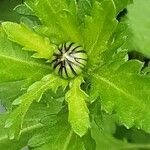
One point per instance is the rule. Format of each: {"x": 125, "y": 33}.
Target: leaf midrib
{"x": 29, "y": 63}
{"x": 133, "y": 98}
{"x": 68, "y": 138}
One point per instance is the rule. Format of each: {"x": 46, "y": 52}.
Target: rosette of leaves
{"x": 69, "y": 111}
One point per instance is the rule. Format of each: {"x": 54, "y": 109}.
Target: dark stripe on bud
{"x": 69, "y": 60}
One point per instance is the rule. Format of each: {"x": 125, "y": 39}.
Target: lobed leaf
{"x": 31, "y": 126}
{"x": 29, "y": 39}
{"x": 124, "y": 90}
{"x": 59, "y": 16}
{"x": 78, "y": 111}
{"x": 98, "y": 29}
{"x": 35, "y": 92}
{"x": 16, "y": 65}
{"x": 59, "y": 136}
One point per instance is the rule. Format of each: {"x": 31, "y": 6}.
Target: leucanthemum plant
{"x": 77, "y": 48}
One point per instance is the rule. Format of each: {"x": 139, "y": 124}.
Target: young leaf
{"x": 35, "y": 92}
{"x": 98, "y": 29}
{"x": 78, "y": 111}
{"x": 29, "y": 39}
{"x": 59, "y": 17}
{"x": 124, "y": 90}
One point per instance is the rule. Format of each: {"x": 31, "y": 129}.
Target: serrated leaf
{"x": 32, "y": 125}
{"x": 78, "y": 111}
{"x": 98, "y": 29}
{"x": 23, "y": 34}
{"x": 60, "y": 136}
{"x": 59, "y": 16}
{"x": 105, "y": 141}
{"x": 104, "y": 130}
{"x": 124, "y": 90}
{"x": 116, "y": 45}
{"x": 34, "y": 92}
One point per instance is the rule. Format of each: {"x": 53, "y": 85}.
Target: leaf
{"x": 84, "y": 8}
{"x": 124, "y": 90}
{"x": 14, "y": 82}
{"x": 27, "y": 132}
{"x": 78, "y": 111}
{"x": 22, "y": 35}
{"x": 116, "y": 45}
{"x": 35, "y": 92}
{"x": 60, "y": 136}
{"x": 59, "y": 17}
{"x": 16, "y": 65}
{"x": 105, "y": 141}
{"x": 10, "y": 91}
{"x": 139, "y": 30}
{"x": 103, "y": 131}
{"x": 32, "y": 125}
{"x": 98, "y": 29}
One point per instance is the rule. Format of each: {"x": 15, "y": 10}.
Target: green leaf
{"x": 22, "y": 35}
{"x": 31, "y": 126}
{"x": 10, "y": 91}
{"x": 105, "y": 141}
{"x": 16, "y": 65}
{"x": 35, "y": 92}
{"x": 124, "y": 90}
{"x": 98, "y": 29}
{"x": 139, "y": 30}
{"x": 103, "y": 131}
{"x": 59, "y": 136}
{"x": 59, "y": 16}
{"x": 84, "y": 8}
{"x": 116, "y": 45}
{"x": 78, "y": 111}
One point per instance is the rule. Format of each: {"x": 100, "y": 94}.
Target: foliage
{"x": 45, "y": 111}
